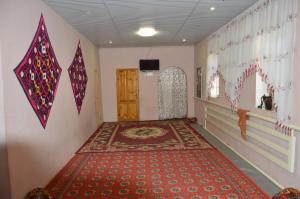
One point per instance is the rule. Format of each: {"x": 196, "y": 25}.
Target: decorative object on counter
{"x": 288, "y": 193}
{"x": 39, "y": 73}
{"x": 38, "y": 193}
{"x": 78, "y": 77}
{"x": 266, "y": 103}
{"x": 243, "y": 117}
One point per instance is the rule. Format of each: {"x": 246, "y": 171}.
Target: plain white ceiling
{"x": 118, "y": 20}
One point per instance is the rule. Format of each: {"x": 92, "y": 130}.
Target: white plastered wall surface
{"x": 35, "y": 154}
{"x": 128, "y": 57}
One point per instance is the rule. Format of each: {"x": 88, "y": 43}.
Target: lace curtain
{"x": 262, "y": 40}
{"x": 172, "y": 96}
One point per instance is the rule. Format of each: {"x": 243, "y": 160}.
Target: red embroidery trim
{"x": 254, "y": 68}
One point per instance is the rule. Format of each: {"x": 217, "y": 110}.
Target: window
{"x": 214, "y": 91}
{"x": 213, "y": 77}
{"x": 264, "y": 96}
{"x": 199, "y": 82}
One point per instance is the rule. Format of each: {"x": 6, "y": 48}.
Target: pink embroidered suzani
{"x": 78, "y": 77}
{"x": 39, "y": 73}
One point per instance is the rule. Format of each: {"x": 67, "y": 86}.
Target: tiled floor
{"x": 253, "y": 173}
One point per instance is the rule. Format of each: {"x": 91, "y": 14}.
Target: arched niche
{"x": 172, "y": 96}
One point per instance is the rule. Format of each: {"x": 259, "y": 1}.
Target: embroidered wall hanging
{"x": 78, "y": 77}
{"x": 39, "y": 73}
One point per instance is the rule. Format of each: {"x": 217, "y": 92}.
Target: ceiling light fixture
{"x": 212, "y": 8}
{"x": 146, "y": 32}
{"x": 183, "y": 40}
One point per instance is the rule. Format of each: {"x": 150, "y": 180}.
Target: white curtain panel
{"x": 172, "y": 96}
{"x": 261, "y": 39}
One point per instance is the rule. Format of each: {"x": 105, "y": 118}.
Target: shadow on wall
{"x": 4, "y": 173}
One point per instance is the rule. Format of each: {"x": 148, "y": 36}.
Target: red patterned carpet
{"x": 155, "y": 174}
{"x": 144, "y": 136}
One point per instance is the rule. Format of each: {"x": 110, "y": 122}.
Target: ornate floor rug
{"x": 187, "y": 174}
{"x": 144, "y": 136}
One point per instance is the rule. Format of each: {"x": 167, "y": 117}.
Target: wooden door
{"x": 128, "y": 94}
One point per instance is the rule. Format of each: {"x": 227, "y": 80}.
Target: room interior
{"x": 241, "y": 110}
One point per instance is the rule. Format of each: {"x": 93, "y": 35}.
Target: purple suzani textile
{"x": 78, "y": 77}
{"x": 39, "y": 73}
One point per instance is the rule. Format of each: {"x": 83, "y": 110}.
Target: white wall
{"x": 114, "y": 58}
{"x": 36, "y": 155}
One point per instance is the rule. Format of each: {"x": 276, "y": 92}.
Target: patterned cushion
{"x": 288, "y": 193}
{"x": 38, "y": 193}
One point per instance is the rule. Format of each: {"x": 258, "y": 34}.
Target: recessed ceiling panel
{"x": 117, "y": 20}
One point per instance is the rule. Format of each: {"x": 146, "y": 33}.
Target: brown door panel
{"x": 128, "y": 94}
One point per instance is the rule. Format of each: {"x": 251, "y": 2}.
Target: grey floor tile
{"x": 261, "y": 180}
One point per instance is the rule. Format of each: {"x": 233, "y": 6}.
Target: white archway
{"x": 172, "y": 96}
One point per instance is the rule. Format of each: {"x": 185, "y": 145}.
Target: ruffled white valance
{"x": 261, "y": 39}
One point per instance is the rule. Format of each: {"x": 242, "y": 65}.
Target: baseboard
{"x": 245, "y": 159}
